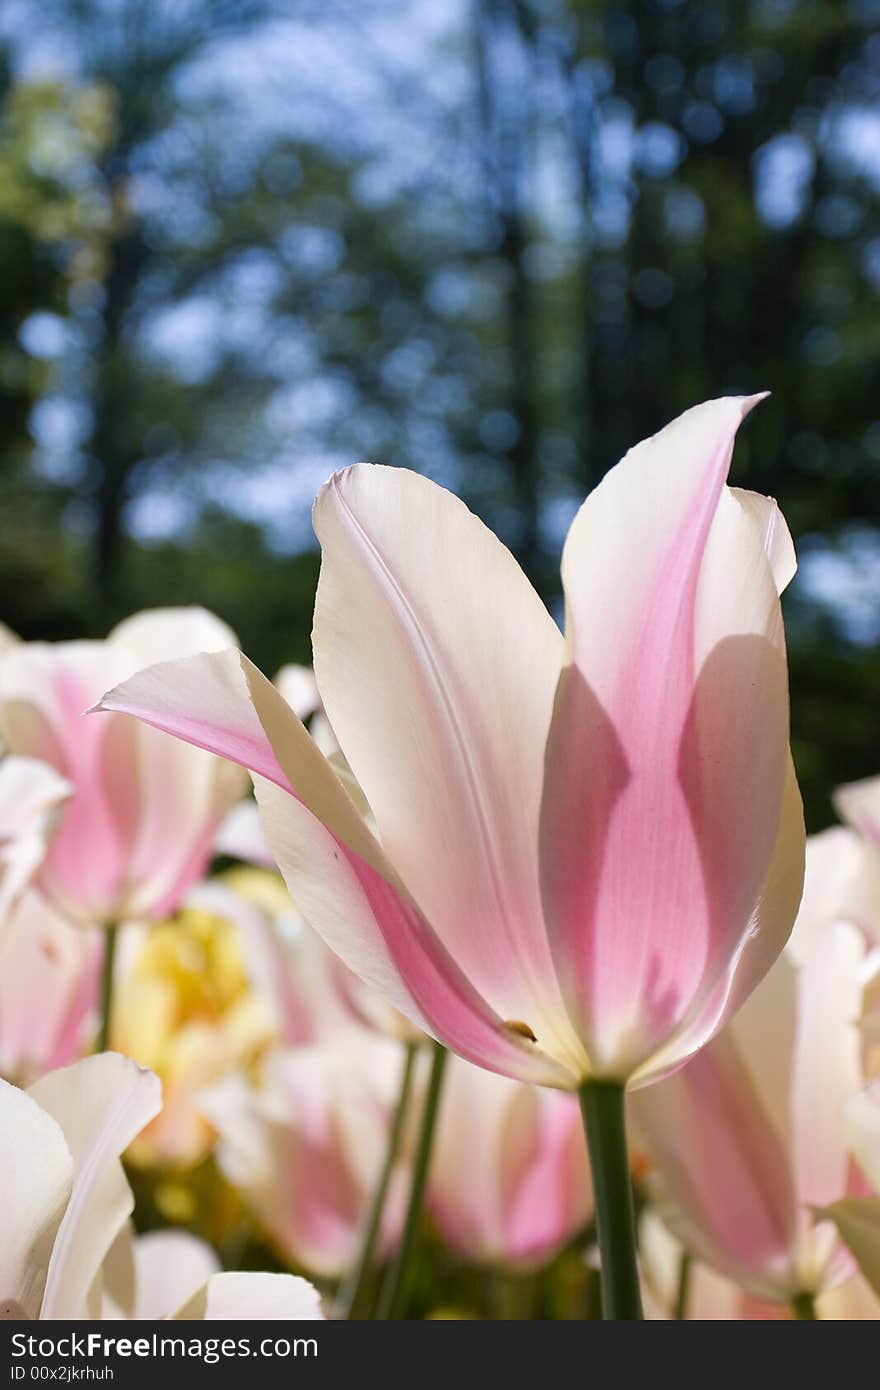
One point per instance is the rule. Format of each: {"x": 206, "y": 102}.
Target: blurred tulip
{"x": 749, "y": 1136}
{"x": 314, "y": 997}
{"x": 857, "y": 1217}
{"x": 138, "y": 829}
{"x": 187, "y": 1006}
{"x": 509, "y": 1177}
{"x": 48, "y": 990}
{"x": 305, "y": 1148}
{"x": 858, "y": 803}
{"x": 711, "y": 1298}
{"x": 590, "y": 853}
{"x": 841, "y": 884}
{"x": 300, "y": 689}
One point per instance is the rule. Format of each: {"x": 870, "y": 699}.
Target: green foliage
{"x": 626, "y": 207}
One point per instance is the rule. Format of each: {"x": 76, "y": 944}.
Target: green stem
{"x": 352, "y": 1291}
{"x": 679, "y": 1312}
{"x": 107, "y": 987}
{"x": 602, "y": 1106}
{"x": 803, "y": 1307}
{"x": 396, "y": 1286}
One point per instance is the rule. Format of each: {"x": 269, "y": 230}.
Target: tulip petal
{"x": 37, "y": 1170}
{"x": 775, "y": 535}
{"x": 171, "y": 1267}
{"x": 100, "y": 1103}
{"x": 382, "y": 937}
{"x": 437, "y": 664}
{"x": 765, "y": 937}
{"x": 204, "y": 701}
{"x": 667, "y": 753}
{"x": 723, "y": 1183}
{"x": 858, "y": 1223}
{"x": 253, "y": 1297}
{"x": 336, "y": 871}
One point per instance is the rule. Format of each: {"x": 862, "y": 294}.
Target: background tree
{"x": 499, "y": 244}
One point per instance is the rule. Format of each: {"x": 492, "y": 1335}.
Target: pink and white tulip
{"x": 139, "y": 826}
{"x": 749, "y": 1137}
{"x": 304, "y": 1149}
{"x": 589, "y": 851}
{"x": 509, "y": 1182}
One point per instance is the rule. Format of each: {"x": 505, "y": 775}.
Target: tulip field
{"x": 481, "y": 970}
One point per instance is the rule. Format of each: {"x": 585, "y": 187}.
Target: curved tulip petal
{"x": 449, "y": 752}
{"x": 171, "y": 1267}
{"x": 204, "y": 701}
{"x": 336, "y": 872}
{"x": 384, "y": 940}
{"x": 775, "y": 535}
{"x": 725, "y": 1188}
{"x": 667, "y": 753}
{"x": 100, "y": 1103}
{"x": 37, "y": 1169}
{"x": 254, "y": 1297}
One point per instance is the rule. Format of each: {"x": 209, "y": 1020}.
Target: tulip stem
{"x": 602, "y": 1106}
{"x": 803, "y": 1307}
{"x": 107, "y": 987}
{"x": 396, "y": 1286}
{"x": 352, "y": 1290}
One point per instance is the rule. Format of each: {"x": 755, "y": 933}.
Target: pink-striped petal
{"x": 337, "y": 873}
{"x": 668, "y": 751}
{"x": 724, "y": 1184}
